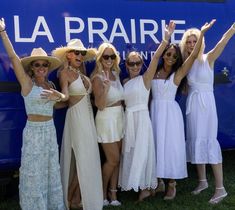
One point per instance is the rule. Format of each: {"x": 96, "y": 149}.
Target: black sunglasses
{"x": 131, "y": 64}
{"x": 106, "y": 57}
{"x": 78, "y": 52}
{"x": 38, "y": 65}
{"x": 175, "y": 57}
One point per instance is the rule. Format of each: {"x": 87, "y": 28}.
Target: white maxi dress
{"x": 168, "y": 130}
{"x": 137, "y": 169}
{"x": 80, "y": 137}
{"x": 201, "y": 116}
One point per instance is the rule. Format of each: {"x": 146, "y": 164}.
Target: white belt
{"x": 197, "y": 90}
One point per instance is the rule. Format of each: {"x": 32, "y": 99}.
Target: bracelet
{"x": 2, "y": 30}
{"x": 59, "y": 98}
{"x": 165, "y": 41}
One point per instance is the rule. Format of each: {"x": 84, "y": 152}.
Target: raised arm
{"x": 218, "y": 49}
{"x": 100, "y": 89}
{"x": 22, "y": 77}
{"x": 184, "y": 69}
{"x": 150, "y": 72}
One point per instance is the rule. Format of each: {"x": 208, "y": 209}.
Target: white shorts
{"x": 110, "y": 124}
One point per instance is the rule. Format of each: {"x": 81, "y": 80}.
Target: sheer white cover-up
{"x": 168, "y": 130}
{"x": 137, "y": 169}
{"x": 201, "y": 116}
{"x": 80, "y": 137}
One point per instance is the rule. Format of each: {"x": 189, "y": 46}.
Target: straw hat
{"x": 74, "y": 44}
{"x": 40, "y": 54}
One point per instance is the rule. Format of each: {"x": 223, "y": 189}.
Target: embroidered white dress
{"x": 80, "y": 137}
{"x": 137, "y": 169}
{"x": 202, "y": 121}
{"x": 168, "y": 129}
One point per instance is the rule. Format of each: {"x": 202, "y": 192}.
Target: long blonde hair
{"x": 191, "y": 32}
{"x": 99, "y": 67}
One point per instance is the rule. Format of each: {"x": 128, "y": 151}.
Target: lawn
{"x": 183, "y": 201}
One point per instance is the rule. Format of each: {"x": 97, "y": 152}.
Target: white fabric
{"x": 80, "y": 136}
{"x": 137, "y": 169}
{"x": 168, "y": 129}
{"x": 202, "y": 122}
{"x": 110, "y": 124}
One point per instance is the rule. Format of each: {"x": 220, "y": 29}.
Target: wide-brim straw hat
{"x": 74, "y": 44}
{"x": 40, "y": 54}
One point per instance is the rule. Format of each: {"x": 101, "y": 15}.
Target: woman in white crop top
{"x": 108, "y": 93}
{"x": 201, "y": 116}
{"x": 80, "y": 158}
{"x": 40, "y": 182}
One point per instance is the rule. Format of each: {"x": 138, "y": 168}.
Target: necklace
{"x": 73, "y": 69}
{"x": 162, "y": 73}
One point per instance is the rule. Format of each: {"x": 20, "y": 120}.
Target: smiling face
{"x": 108, "y": 58}
{"x": 170, "y": 57}
{"x": 134, "y": 64}
{"x": 40, "y": 68}
{"x": 75, "y": 59}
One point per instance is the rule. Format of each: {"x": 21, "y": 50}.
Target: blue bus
{"x": 128, "y": 24}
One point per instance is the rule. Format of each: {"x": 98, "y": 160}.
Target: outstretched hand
{"x": 2, "y": 24}
{"x": 169, "y": 29}
{"x": 207, "y": 26}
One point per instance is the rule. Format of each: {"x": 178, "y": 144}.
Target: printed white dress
{"x": 80, "y": 137}
{"x": 137, "y": 169}
{"x": 202, "y": 122}
{"x": 168, "y": 130}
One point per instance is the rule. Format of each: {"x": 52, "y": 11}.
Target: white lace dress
{"x": 137, "y": 169}
{"x": 168, "y": 129}
{"x": 202, "y": 122}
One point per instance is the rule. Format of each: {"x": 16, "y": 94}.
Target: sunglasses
{"x": 78, "y": 52}
{"x": 174, "y": 56}
{"x": 131, "y": 64}
{"x": 38, "y": 65}
{"x": 106, "y": 57}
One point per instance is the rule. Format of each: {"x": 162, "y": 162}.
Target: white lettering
{"x": 133, "y": 31}
{"x": 114, "y": 32}
{"x": 17, "y": 31}
{"x": 41, "y": 21}
{"x": 69, "y": 31}
{"x": 100, "y": 32}
{"x": 150, "y": 33}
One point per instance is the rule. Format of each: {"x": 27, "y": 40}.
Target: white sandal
{"x": 200, "y": 189}
{"x": 219, "y": 198}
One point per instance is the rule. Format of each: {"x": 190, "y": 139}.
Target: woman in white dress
{"x": 166, "y": 115}
{"x": 138, "y": 164}
{"x": 202, "y": 123}
{"x": 80, "y": 159}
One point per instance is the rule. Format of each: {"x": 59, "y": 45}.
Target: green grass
{"x": 183, "y": 201}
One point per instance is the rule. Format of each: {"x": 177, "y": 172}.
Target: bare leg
{"x": 202, "y": 181}
{"x": 74, "y": 194}
{"x": 171, "y": 190}
{"x": 114, "y": 178}
{"x": 112, "y": 154}
{"x": 220, "y": 192}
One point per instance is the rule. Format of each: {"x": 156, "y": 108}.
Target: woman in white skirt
{"x": 80, "y": 159}
{"x": 39, "y": 182}
{"x": 138, "y": 163}
{"x": 108, "y": 93}
{"x": 167, "y": 117}
{"x": 202, "y": 123}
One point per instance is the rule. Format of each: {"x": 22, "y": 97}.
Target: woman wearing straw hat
{"x": 40, "y": 183}
{"x": 80, "y": 159}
